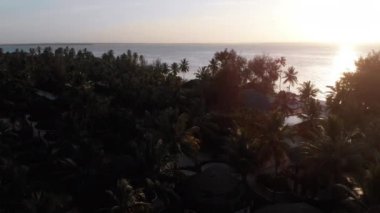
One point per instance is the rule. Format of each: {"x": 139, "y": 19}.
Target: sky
{"x": 189, "y": 21}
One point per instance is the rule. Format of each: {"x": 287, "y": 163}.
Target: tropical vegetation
{"x": 80, "y": 133}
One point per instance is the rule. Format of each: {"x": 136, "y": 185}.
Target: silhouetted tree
{"x": 307, "y": 91}
{"x": 263, "y": 71}
{"x": 184, "y": 65}
{"x": 104, "y": 133}
{"x": 290, "y": 77}
{"x": 174, "y": 68}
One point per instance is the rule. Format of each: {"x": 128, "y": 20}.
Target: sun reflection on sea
{"x": 344, "y": 61}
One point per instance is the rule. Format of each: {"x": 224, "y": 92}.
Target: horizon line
{"x": 191, "y": 43}
{"x": 265, "y": 42}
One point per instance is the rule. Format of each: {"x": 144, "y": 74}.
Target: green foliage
{"x": 228, "y": 72}
{"x": 80, "y": 133}
{"x": 283, "y": 102}
{"x": 127, "y": 199}
{"x": 76, "y": 120}
{"x": 354, "y": 97}
{"x": 335, "y": 152}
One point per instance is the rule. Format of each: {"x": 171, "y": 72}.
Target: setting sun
{"x": 342, "y": 22}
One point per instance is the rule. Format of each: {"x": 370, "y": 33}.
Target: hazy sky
{"x": 25, "y": 21}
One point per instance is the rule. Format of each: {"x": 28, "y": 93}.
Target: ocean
{"x": 323, "y": 64}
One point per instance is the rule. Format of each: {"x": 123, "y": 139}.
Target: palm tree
{"x": 213, "y": 66}
{"x": 165, "y": 68}
{"x": 203, "y": 73}
{"x": 175, "y": 68}
{"x": 335, "y": 153}
{"x": 271, "y": 143}
{"x": 142, "y": 60}
{"x": 282, "y": 102}
{"x": 184, "y": 65}
{"x": 281, "y": 62}
{"x": 311, "y": 107}
{"x": 290, "y": 77}
{"x": 307, "y": 91}
{"x": 311, "y": 110}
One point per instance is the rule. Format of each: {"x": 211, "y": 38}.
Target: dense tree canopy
{"x": 80, "y": 133}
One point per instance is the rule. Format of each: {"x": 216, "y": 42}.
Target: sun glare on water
{"x": 344, "y": 61}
